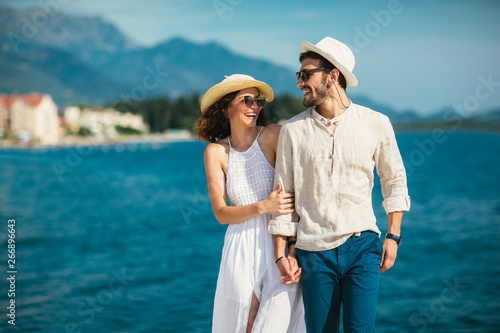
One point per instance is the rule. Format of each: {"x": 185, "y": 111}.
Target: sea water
{"x": 122, "y": 238}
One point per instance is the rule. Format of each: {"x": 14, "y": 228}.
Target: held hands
{"x": 278, "y": 203}
{"x": 289, "y": 269}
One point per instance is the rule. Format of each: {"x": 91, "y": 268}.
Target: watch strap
{"x": 395, "y": 238}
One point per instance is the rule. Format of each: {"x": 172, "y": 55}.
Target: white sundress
{"x": 247, "y": 264}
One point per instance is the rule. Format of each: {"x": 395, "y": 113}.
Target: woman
{"x": 239, "y": 163}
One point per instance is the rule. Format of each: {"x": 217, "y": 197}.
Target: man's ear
{"x": 334, "y": 75}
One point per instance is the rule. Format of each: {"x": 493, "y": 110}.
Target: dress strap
{"x": 229, "y": 141}
{"x": 259, "y": 133}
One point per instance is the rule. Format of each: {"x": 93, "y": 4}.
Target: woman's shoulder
{"x": 271, "y": 130}
{"x": 216, "y": 154}
{"x": 217, "y": 147}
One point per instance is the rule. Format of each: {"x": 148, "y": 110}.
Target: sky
{"x": 413, "y": 55}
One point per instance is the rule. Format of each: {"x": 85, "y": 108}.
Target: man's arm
{"x": 284, "y": 226}
{"x": 391, "y": 170}
{"x": 392, "y": 173}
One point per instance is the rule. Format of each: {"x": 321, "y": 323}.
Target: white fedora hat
{"x": 233, "y": 83}
{"x": 337, "y": 53}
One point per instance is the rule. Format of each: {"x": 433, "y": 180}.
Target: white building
{"x": 134, "y": 121}
{"x": 71, "y": 117}
{"x": 102, "y": 122}
{"x": 32, "y": 117}
{"x": 5, "y": 102}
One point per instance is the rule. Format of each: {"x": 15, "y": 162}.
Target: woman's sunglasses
{"x": 304, "y": 74}
{"x": 261, "y": 101}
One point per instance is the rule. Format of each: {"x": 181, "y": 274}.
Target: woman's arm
{"x": 275, "y": 203}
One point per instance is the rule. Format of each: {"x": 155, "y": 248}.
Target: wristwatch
{"x": 395, "y": 238}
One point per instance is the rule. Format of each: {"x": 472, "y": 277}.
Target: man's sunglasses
{"x": 304, "y": 74}
{"x": 261, "y": 101}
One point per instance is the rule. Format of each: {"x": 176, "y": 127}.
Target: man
{"x": 326, "y": 155}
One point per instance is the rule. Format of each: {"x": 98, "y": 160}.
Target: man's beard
{"x": 317, "y": 96}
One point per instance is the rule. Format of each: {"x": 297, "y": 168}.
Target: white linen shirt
{"x": 332, "y": 176}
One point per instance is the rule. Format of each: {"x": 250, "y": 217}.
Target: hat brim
{"x": 223, "y": 88}
{"x": 349, "y": 77}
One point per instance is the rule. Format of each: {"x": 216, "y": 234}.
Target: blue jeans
{"x": 346, "y": 276}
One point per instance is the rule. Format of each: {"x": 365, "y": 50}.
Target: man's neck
{"x": 335, "y": 104}
{"x": 331, "y": 108}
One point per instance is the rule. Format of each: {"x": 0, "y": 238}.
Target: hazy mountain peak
{"x": 79, "y": 35}
{"x": 88, "y": 58}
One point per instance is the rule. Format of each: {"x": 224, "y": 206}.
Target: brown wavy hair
{"x": 213, "y": 125}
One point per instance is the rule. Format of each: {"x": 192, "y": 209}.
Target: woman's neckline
{"x": 253, "y": 143}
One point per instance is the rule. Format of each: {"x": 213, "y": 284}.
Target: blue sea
{"x": 122, "y": 238}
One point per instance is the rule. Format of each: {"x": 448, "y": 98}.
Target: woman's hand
{"x": 289, "y": 269}
{"x": 294, "y": 271}
{"x": 278, "y": 203}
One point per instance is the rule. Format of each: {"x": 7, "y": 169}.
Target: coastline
{"x": 157, "y": 140}
{"x": 123, "y": 140}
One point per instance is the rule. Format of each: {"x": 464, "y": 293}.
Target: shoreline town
{"x": 34, "y": 121}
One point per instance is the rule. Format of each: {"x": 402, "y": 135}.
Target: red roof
{"x": 6, "y": 100}
{"x": 32, "y": 99}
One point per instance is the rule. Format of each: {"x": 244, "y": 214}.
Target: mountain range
{"x": 87, "y": 59}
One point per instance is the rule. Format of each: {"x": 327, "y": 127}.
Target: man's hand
{"x": 288, "y": 266}
{"x": 289, "y": 269}
{"x": 294, "y": 269}
{"x": 390, "y": 251}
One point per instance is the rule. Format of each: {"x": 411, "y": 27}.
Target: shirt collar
{"x": 324, "y": 121}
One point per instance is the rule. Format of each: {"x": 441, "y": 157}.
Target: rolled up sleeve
{"x": 391, "y": 171}
{"x": 284, "y": 225}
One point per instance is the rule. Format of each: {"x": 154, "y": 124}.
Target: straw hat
{"x": 337, "y": 53}
{"x": 233, "y": 83}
